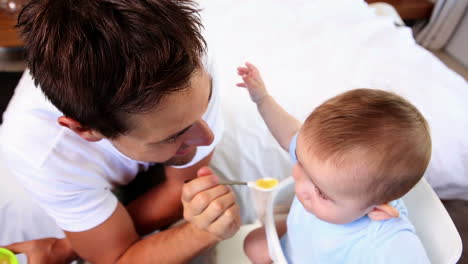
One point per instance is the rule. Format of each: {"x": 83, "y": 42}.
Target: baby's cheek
{"x": 306, "y": 195}
{"x": 295, "y": 172}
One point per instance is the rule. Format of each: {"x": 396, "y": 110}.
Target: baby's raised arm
{"x": 281, "y": 124}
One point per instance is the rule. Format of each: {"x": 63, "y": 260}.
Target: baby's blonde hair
{"x": 387, "y": 131}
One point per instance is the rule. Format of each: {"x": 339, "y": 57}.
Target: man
{"x": 128, "y": 87}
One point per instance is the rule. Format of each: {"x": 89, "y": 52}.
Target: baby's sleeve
{"x": 402, "y": 248}
{"x": 292, "y": 148}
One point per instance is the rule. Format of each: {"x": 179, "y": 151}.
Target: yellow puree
{"x": 265, "y": 184}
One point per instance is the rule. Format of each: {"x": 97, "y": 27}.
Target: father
{"x": 127, "y": 85}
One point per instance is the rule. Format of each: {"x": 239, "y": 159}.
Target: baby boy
{"x": 355, "y": 156}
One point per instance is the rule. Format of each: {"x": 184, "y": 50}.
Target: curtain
{"x": 445, "y": 17}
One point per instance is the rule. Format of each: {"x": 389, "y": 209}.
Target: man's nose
{"x": 199, "y": 134}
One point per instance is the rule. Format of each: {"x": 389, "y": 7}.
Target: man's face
{"x": 172, "y": 132}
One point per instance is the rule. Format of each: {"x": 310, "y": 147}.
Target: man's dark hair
{"x": 98, "y": 60}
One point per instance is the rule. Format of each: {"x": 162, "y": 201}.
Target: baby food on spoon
{"x": 266, "y": 183}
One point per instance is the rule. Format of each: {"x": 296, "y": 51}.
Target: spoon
{"x": 264, "y": 184}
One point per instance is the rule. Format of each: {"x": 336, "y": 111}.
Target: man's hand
{"x": 46, "y": 250}
{"x": 209, "y": 206}
{"x": 252, "y": 81}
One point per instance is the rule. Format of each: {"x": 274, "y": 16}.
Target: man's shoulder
{"x": 38, "y": 147}
{"x": 59, "y": 152}
{"x": 29, "y": 137}
{"x": 29, "y": 125}
{"x": 30, "y": 132}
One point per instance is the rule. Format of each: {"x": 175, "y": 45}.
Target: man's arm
{"x": 281, "y": 124}
{"x": 45, "y": 250}
{"x": 158, "y": 207}
{"x": 212, "y": 215}
{"x": 116, "y": 241}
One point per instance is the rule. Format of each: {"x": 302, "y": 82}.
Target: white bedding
{"x": 309, "y": 51}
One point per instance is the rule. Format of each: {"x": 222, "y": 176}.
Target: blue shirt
{"x": 311, "y": 240}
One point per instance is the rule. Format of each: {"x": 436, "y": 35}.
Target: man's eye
{"x": 171, "y": 140}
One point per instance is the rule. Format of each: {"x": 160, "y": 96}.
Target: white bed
{"x": 308, "y": 51}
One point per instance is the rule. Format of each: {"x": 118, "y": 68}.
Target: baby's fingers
{"x": 251, "y": 67}
{"x": 241, "y": 85}
{"x": 242, "y": 71}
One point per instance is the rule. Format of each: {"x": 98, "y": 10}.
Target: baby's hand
{"x": 252, "y": 81}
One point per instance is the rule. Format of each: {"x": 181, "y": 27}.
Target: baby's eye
{"x": 320, "y": 194}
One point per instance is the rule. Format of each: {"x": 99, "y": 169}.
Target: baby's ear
{"x": 383, "y": 212}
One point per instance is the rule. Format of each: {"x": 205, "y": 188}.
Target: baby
{"x": 355, "y": 156}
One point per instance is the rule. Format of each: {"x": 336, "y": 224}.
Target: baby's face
{"x": 321, "y": 192}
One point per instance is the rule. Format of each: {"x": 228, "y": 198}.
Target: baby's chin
{"x": 307, "y": 204}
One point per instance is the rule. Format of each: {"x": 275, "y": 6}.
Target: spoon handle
{"x": 232, "y": 182}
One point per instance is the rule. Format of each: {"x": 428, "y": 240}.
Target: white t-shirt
{"x": 69, "y": 177}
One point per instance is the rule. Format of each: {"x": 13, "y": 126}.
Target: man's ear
{"x": 383, "y": 212}
{"x": 83, "y": 132}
